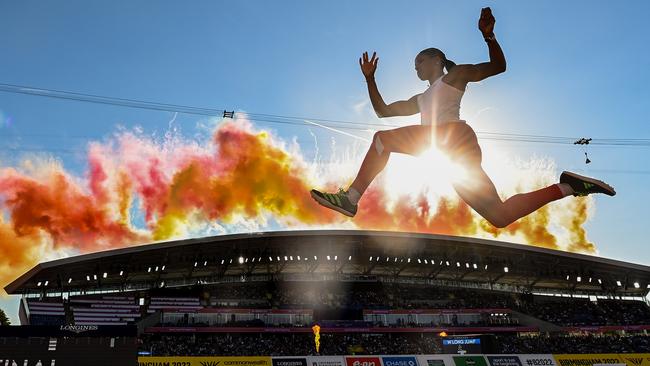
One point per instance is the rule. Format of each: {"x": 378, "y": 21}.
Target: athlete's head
{"x": 431, "y": 61}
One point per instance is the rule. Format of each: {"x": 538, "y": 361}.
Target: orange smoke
{"x": 177, "y": 187}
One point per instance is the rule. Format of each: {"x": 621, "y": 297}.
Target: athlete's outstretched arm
{"x": 497, "y": 64}
{"x": 399, "y": 108}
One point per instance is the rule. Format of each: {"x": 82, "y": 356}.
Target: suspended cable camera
{"x": 227, "y": 114}
{"x": 584, "y": 141}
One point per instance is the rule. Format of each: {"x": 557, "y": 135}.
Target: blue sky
{"x": 577, "y": 68}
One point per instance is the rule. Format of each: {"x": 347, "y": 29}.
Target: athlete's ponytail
{"x": 449, "y": 64}
{"x": 434, "y": 52}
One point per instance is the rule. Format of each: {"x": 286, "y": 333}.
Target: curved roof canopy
{"x": 343, "y": 253}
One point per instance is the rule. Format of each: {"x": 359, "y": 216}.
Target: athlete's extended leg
{"x": 479, "y": 192}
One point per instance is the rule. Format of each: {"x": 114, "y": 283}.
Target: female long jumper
{"x": 439, "y": 108}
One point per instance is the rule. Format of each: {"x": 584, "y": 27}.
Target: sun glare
{"x": 432, "y": 170}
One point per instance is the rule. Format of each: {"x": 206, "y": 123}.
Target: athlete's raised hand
{"x": 368, "y": 67}
{"x": 486, "y": 22}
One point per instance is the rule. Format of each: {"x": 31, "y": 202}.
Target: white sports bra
{"x": 440, "y": 103}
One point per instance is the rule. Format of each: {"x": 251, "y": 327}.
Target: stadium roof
{"x": 336, "y": 254}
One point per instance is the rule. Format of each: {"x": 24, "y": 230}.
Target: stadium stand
{"x": 370, "y": 292}
{"x": 104, "y": 310}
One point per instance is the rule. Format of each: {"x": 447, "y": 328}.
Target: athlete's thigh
{"x": 478, "y": 191}
{"x": 407, "y": 140}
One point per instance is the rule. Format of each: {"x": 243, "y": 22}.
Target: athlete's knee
{"x": 498, "y": 217}
{"x": 498, "y": 222}
{"x": 377, "y": 143}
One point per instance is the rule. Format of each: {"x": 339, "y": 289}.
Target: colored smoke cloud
{"x": 242, "y": 178}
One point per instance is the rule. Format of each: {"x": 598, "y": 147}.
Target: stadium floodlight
{"x": 387, "y": 259}
{"x": 39, "y": 284}
{"x": 408, "y": 260}
{"x": 475, "y": 266}
{"x": 505, "y": 269}
{"x": 466, "y": 265}
{"x": 46, "y": 282}
{"x": 69, "y": 279}
{"x": 230, "y": 262}
{"x": 149, "y": 269}
{"x": 336, "y": 257}
{"x": 315, "y": 258}
{"x": 485, "y": 267}
{"x": 567, "y": 277}
{"x": 259, "y": 259}
{"x": 589, "y": 279}
{"x": 618, "y": 283}
{"x": 95, "y": 277}
{"x": 278, "y": 257}
{"x": 122, "y": 271}
{"x": 205, "y": 263}
{"x": 87, "y": 278}
{"x": 298, "y": 257}
{"x": 648, "y": 286}
{"x": 579, "y": 279}
{"x": 419, "y": 261}
{"x": 306, "y": 258}
{"x": 162, "y": 283}
{"x": 270, "y": 260}
{"x": 286, "y": 258}
{"x": 157, "y": 268}
{"x": 105, "y": 275}
{"x": 636, "y": 285}
{"x": 223, "y": 260}
{"x": 196, "y": 264}
{"x": 377, "y": 259}
{"x": 425, "y": 261}
{"x": 328, "y": 257}
{"x": 447, "y": 263}
{"x": 246, "y": 260}
{"x": 350, "y": 258}
{"x": 395, "y": 259}
{"x": 457, "y": 264}
{"x": 600, "y": 282}
{"x": 241, "y": 260}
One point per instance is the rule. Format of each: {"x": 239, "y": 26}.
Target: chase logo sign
{"x": 400, "y": 361}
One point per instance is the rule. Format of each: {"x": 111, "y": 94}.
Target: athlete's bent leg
{"x": 407, "y": 140}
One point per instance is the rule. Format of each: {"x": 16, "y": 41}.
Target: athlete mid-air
{"x": 439, "y": 108}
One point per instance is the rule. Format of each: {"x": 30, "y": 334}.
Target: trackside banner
{"x": 204, "y": 361}
{"x": 587, "y": 359}
{"x": 504, "y": 360}
{"x": 470, "y": 360}
{"x": 537, "y": 360}
{"x": 325, "y": 361}
{"x": 630, "y": 359}
{"x": 399, "y": 361}
{"x": 435, "y": 360}
{"x": 636, "y": 359}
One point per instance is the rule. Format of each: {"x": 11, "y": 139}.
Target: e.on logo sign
{"x": 362, "y": 361}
